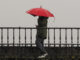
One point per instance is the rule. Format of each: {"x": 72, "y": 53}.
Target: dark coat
{"x": 41, "y": 27}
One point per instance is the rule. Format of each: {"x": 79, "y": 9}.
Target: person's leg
{"x": 42, "y": 42}
{"x": 39, "y": 44}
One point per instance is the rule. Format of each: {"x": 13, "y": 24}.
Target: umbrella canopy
{"x": 40, "y": 12}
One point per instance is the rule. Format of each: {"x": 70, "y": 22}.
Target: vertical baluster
{"x": 66, "y": 37}
{"x": 19, "y": 37}
{"x": 66, "y": 42}
{"x": 72, "y": 42}
{"x": 77, "y": 37}
{"x": 13, "y": 36}
{"x": 7, "y": 37}
{"x": 60, "y": 36}
{"x": 19, "y": 49}
{"x": 71, "y": 37}
{"x": 54, "y": 37}
{"x": 31, "y": 37}
{"x": 48, "y": 38}
{"x": 77, "y": 41}
{"x": 1, "y": 36}
{"x": 25, "y": 36}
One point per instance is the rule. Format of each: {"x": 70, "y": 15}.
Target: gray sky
{"x": 67, "y": 12}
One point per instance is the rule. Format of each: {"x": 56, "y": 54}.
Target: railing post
{"x": 66, "y": 37}
{"x": 1, "y": 36}
{"x": 48, "y": 38}
{"x": 54, "y": 37}
{"x": 71, "y": 37}
{"x": 19, "y": 36}
{"x": 13, "y": 37}
{"x": 72, "y": 42}
{"x": 60, "y": 37}
{"x": 77, "y": 37}
{"x": 66, "y": 42}
{"x": 31, "y": 37}
{"x": 25, "y": 37}
{"x": 7, "y": 36}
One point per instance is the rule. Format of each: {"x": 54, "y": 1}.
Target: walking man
{"x": 41, "y": 35}
{"x": 41, "y": 28}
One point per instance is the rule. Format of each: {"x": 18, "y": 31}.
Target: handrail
{"x": 71, "y": 37}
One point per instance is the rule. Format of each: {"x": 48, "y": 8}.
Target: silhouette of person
{"x": 41, "y": 35}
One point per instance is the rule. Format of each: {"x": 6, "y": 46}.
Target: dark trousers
{"x": 40, "y": 44}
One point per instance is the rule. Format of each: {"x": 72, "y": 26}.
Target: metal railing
{"x": 25, "y": 36}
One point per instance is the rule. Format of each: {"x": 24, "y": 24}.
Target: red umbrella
{"x": 40, "y": 12}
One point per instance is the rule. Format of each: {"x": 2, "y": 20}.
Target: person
{"x": 41, "y": 35}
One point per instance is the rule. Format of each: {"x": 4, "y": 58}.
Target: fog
{"x": 13, "y": 13}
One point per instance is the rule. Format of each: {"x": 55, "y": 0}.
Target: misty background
{"x": 67, "y": 12}
{"x": 12, "y": 14}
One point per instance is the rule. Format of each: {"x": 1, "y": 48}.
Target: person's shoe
{"x": 43, "y": 55}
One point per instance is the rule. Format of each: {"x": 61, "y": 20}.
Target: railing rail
{"x": 23, "y": 36}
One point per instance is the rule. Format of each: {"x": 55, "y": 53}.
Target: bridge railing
{"x": 25, "y": 36}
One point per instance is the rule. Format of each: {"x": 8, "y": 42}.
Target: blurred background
{"x": 12, "y": 12}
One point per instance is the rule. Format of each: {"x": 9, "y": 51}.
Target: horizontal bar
{"x": 35, "y": 44}
{"x": 35, "y": 27}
